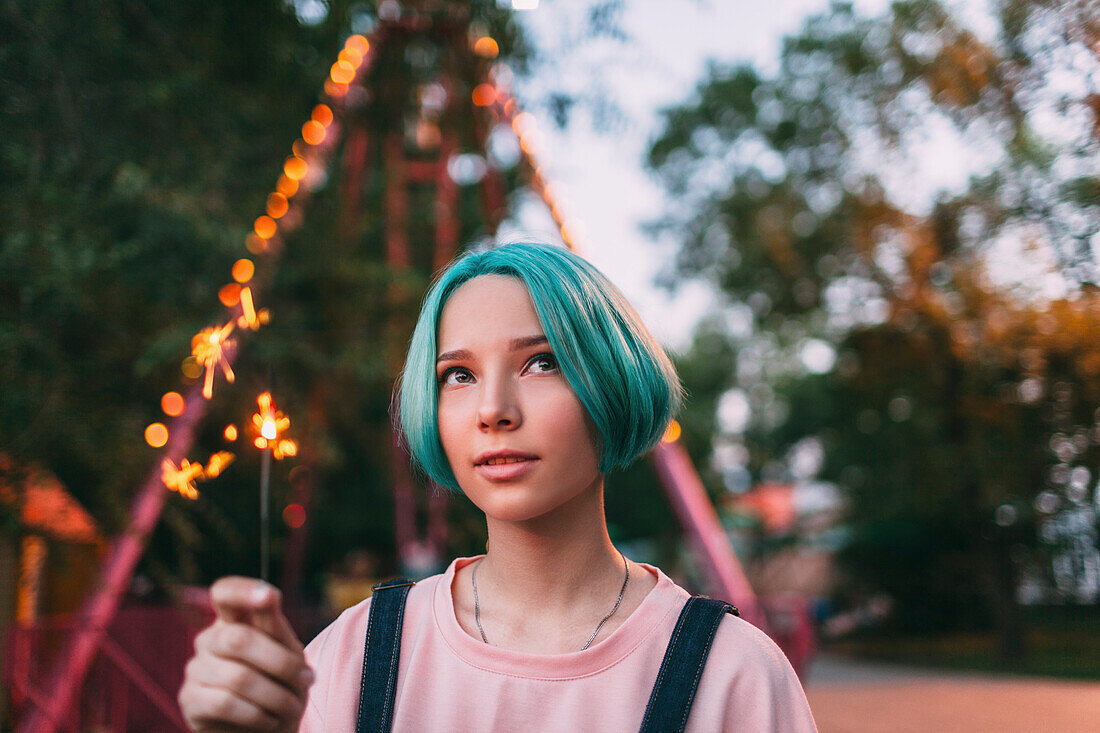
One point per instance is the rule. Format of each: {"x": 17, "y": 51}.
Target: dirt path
{"x": 849, "y": 697}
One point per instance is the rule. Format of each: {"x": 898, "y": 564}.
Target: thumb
{"x": 254, "y": 602}
{"x": 268, "y": 616}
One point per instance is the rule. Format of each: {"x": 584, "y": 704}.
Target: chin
{"x": 519, "y": 502}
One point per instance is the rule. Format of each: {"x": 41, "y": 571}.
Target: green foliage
{"x": 139, "y": 142}
{"x": 798, "y": 194}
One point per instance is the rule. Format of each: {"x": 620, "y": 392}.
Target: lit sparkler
{"x": 208, "y": 347}
{"x": 183, "y": 478}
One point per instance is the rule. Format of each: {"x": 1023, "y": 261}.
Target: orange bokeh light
{"x": 230, "y": 295}
{"x": 243, "y": 270}
{"x": 191, "y": 368}
{"x": 276, "y": 205}
{"x": 230, "y": 432}
{"x": 486, "y": 47}
{"x": 358, "y": 43}
{"x": 335, "y": 90}
{"x": 352, "y": 56}
{"x": 322, "y": 114}
{"x": 286, "y": 186}
{"x": 172, "y": 404}
{"x": 342, "y": 72}
{"x": 484, "y": 95}
{"x": 264, "y": 227}
{"x": 313, "y": 132}
{"x": 255, "y": 244}
{"x": 672, "y": 434}
{"x": 294, "y": 515}
{"x": 156, "y": 435}
{"x": 295, "y": 168}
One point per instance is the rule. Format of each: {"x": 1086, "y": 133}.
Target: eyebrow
{"x": 516, "y": 344}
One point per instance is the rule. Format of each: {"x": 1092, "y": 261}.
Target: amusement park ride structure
{"x": 420, "y": 161}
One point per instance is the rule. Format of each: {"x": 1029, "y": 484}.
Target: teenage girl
{"x": 529, "y": 377}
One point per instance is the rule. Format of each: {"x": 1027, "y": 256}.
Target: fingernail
{"x": 307, "y": 676}
{"x": 261, "y": 593}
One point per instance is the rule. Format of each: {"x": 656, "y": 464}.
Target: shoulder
{"x": 743, "y": 648}
{"x": 336, "y": 654}
{"x": 749, "y": 676}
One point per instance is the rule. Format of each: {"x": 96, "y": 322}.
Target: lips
{"x": 504, "y": 465}
{"x": 502, "y": 457}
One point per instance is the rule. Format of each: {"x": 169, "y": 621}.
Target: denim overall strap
{"x": 378, "y": 689}
{"x": 682, "y": 667}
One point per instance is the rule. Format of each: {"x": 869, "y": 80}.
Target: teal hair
{"x": 618, "y": 371}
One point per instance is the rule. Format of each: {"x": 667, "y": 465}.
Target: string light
{"x": 156, "y": 435}
{"x": 229, "y": 295}
{"x": 190, "y": 368}
{"x": 172, "y": 403}
{"x": 335, "y": 90}
{"x": 486, "y": 47}
{"x": 295, "y": 168}
{"x": 531, "y": 141}
{"x": 322, "y": 115}
{"x": 264, "y": 227}
{"x": 313, "y": 132}
{"x": 208, "y": 347}
{"x": 342, "y": 72}
{"x": 359, "y": 43}
{"x": 255, "y": 244}
{"x": 243, "y": 270}
{"x": 484, "y": 95}
{"x": 286, "y": 186}
{"x": 277, "y": 205}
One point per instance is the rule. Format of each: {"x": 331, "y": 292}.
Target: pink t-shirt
{"x": 449, "y": 681}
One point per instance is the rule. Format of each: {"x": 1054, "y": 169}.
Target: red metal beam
{"x": 709, "y": 543}
{"x": 67, "y": 675}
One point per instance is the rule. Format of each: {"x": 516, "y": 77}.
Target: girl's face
{"x": 518, "y": 440}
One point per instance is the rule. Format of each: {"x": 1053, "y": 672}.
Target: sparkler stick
{"x": 268, "y": 424}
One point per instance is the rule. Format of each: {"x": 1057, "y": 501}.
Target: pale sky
{"x": 607, "y": 188}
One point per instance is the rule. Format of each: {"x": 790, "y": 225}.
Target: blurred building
{"x": 50, "y": 548}
{"x": 788, "y": 535}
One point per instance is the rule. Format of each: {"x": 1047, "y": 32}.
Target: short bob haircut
{"x": 618, "y": 371}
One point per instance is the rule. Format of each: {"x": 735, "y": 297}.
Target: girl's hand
{"x": 248, "y": 671}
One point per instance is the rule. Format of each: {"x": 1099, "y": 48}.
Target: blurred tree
{"x": 139, "y": 141}
{"x": 903, "y": 219}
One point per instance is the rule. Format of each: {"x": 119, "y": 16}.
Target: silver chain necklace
{"x": 477, "y": 606}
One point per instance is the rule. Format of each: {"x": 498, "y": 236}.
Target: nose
{"x": 498, "y": 407}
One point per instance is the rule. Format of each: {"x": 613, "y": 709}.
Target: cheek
{"x": 449, "y": 423}
{"x": 575, "y": 428}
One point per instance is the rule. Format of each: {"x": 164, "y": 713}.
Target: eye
{"x": 542, "y": 364}
{"x": 455, "y": 375}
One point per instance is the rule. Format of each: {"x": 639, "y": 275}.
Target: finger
{"x": 234, "y": 598}
{"x": 254, "y": 648}
{"x": 252, "y": 686}
{"x": 218, "y": 707}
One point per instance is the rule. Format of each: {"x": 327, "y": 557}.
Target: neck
{"x": 563, "y": 559}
